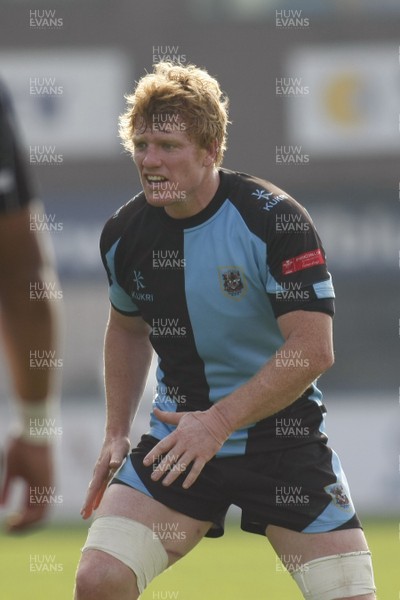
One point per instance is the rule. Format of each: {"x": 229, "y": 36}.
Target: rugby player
{"x": 204, "y": 269}
{"x": 28, "y": 324}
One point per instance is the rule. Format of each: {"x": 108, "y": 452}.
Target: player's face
{"x": 175, "y": 172}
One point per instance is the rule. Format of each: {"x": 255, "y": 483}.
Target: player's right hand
{"x": 33, "y": 464}
{"x": 111, "y": 457}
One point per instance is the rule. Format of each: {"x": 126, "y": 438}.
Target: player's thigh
{"x": 23, "y": 251}
{"x": 296, "y": 548}
{"x": 177, "y": 532}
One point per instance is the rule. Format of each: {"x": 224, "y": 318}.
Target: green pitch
{"x": 239, "y": 566}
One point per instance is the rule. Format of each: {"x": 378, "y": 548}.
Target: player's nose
{"x": 151, "y": 157}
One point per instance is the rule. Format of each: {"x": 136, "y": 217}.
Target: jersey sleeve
{"x": 119, "y": 298}
{"x": 297, "y": 274}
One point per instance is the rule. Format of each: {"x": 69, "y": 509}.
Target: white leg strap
{"x": 337, "y": 576}
{"x": 130, "y": 542}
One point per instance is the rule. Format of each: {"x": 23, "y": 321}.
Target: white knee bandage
{"x": 337, "y": 576}
{"x": 130, "y": 542}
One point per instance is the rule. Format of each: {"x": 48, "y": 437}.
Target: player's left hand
{"x": 34, "y": 465}
{"x": 197, "y": 438}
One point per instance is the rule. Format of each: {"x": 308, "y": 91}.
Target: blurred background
{"x": 314, "y": 90}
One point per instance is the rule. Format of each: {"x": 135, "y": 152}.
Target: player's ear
{"x": 211, "y": 154}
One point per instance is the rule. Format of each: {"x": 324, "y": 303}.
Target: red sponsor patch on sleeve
{"x": 303, "y": 261}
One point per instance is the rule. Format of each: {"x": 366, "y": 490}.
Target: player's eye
{"x": 139, "y": 145}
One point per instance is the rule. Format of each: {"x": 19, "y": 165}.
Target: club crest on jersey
{"x": 233, "y": 282}
{"x": 339, "y": 496}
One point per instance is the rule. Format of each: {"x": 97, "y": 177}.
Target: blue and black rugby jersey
{"x": 211, "y": 288}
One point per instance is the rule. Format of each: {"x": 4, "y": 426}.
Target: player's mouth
{"x": 155, "y": 179}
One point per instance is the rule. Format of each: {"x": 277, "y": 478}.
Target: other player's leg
{"x": 28, "y": 325}
{"x": 145, "y": 534}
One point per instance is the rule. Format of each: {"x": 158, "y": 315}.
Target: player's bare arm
{"x": 200, "y": 435}
{"x": 127, "y": 358}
